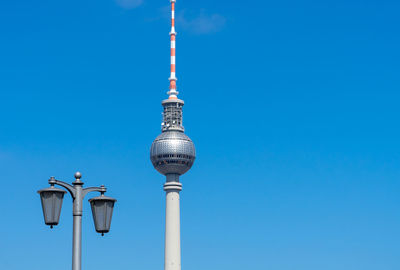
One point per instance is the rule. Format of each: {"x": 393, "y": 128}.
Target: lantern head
{"x": 102, "y": 210}
{"x": 51, "y": 199}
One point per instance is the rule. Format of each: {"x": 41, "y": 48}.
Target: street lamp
{"x": 102, "y": 209}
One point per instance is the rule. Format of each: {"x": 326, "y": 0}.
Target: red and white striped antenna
{"x": 172, "y": 79}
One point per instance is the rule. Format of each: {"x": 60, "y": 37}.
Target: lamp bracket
{"x": 71, "y": 189}
{"x": 100, "y": 189}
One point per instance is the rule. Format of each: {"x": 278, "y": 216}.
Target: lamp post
{"x": 102, "y": 208}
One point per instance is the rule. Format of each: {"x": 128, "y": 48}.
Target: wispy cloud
{"x": 129, "y": 4}
{"x": 202, "y": 23}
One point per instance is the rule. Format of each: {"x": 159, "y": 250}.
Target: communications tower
{"x": 172, "y": 154}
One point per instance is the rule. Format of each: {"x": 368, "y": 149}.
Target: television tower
{"x": 172, "y": 154}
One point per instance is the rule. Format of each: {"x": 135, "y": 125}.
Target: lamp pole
{"x": 78, "y": 193}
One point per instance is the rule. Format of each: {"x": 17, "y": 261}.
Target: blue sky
{"x": 293, "y": 107}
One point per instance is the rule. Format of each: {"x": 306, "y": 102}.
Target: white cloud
{"x": 201, "y": 24}
{"x": 129, "y": 4}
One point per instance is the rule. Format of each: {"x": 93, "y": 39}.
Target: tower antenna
{"x": 172, "y": 79}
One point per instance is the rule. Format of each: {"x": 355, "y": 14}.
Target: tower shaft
{"x": 172, "y": 257}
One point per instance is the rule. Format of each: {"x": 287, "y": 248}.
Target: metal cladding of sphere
{"x": 172, "y": 152}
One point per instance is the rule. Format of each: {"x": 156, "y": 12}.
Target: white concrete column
{"x": 172, "y": 259}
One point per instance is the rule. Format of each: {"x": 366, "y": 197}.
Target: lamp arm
{"x": 71, "y": 189}
{"x": 101, "y": 189}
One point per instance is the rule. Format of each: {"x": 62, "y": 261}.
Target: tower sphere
{"x": 172, "y": 152}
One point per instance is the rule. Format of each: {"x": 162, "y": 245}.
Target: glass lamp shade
{"x": 51, "y": 199}
{"x": 102, "y": 210}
